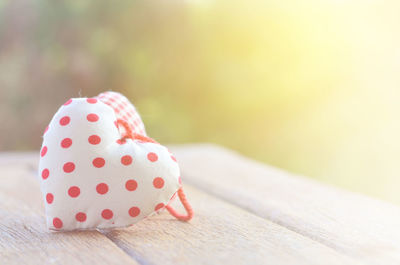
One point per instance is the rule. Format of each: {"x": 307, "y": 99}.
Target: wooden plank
{"x": 352, "y": 224}
{"x": 220, "y": 233}
{"x": 24, "y": 239}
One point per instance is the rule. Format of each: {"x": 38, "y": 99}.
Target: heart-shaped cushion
{"x": 94, "y": 177}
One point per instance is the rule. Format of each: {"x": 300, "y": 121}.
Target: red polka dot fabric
{"x": 93, "y": 178}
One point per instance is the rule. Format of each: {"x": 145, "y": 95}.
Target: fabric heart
{"x": 99, "y": 169}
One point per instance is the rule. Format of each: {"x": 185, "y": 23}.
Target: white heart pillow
{"x": 92, "y": 176}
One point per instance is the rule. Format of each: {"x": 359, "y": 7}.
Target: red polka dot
{"x": 102, "y": 188}
{"x": 94, "y": 139}
{"x": 66, "y": 143}
{"x": 47, "y": 128}
{"x": 173, "y": 158}
{"x": 80, "y": 217}
{"x": 91, "y": 100}
{"x": 180, "y": 180}
{"x": 45, "y": 173}
{"x": 120, "y": 141}
{"x": 99, "y": 162}
{"x": 116, "y": 124}
{"x": 44, "y": 151}
{"x": 159, "y": 206}
{"x": 68, "y": 102}
{"x": 131, "y": 185}
{"x": 49, "y": 198}
{"x": 158, "y": 183}
{"x": 126, "y": 160}
{"x": 152, "y": 157}
{"x": 134, "y": 211}
{"x": 74, "y": 191}
{"x": 68, "y": 167}
{"x": 107, "y": 214}
{"x": 57, "y": 223}
{"x": 92, "y": 117}
{"x": 65, "y": 120}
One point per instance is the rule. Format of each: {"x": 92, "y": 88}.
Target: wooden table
{"x": 245, "y": 213}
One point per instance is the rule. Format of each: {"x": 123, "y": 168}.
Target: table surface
{"x": 245, "y": 213}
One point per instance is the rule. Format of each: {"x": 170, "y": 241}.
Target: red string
{"x": 185, "y": 203}
{"x": 182, "y": 197}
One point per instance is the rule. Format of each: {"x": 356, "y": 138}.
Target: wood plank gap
{"x": 24, "y": 237}
{"x": 352, "y": 224}
{"x": 272, "y": 217}
{"x": 130, "y": 252}
{"x": 220, "y": 233}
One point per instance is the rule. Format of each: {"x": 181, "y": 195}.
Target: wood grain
{"x": 24, "y": 238}
{"x": 220, "y": 233}
{"x": 245, "y": 213}
{"x": 354, "y": 225}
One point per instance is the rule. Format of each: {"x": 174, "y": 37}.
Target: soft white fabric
{"x": 90, "y": 180}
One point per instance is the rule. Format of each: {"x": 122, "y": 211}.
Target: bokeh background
{"x": 311, "y": 86}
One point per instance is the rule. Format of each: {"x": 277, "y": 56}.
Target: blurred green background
{"x": 310, "y": 86}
